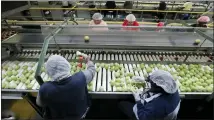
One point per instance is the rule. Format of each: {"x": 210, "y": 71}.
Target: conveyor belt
{"x": 102, "y": 78}
{"x": 114, "y": 56}
{"x": 146, "y": 39}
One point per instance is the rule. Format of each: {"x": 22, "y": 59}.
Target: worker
{"x": 66, "y": 95}
{"x": 97, "y": 21}
{"x": 90, "y": 4}
{"x": 160, "y": 25}
{"x": 160, "y": 102}
{"x": 128, "y": 5}
{"x": 130, "y": 21}
{"x": 110, "y": 5}
{"x": 186, "y": 7}
{"x": 161, "y": 7}
{"x": 202, "y": 22}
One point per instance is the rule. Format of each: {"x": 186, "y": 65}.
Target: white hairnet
{"x": 164, "y": 80}
{"x": 130, "y": 18}
{"x": 57, "y": 67}
{"x": 97, "y": 16}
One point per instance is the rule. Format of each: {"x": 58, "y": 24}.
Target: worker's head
{"x": 163, "y": 80}
{"x": 57, "y": 67}
{"x": 203, "y": 20}
{"x": 97, "y": 18}
{"x": 131, "y": 19}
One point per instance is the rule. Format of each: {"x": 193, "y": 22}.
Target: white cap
{"x": 97, "y": 16}
{"x": 130, "y": 18}
{"x": 57, "y": 67}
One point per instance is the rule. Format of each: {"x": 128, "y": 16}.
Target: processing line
{"x": 118, "y": 56}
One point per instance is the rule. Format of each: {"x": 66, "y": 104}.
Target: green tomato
{"x": 31, "y": 71}
{"x": 118, "y": 81}
{"x": 148, "y": 70}
{"x": 119, "y": 89}
{"x": 17, "y": 82}
{"x": 5, "y": 84}
{"x": 181, "y": 73}
{"x": 3, "y": 76}
{"x": 130, "y": 74}
{"x": 12, "y": 85}
{"x": 116, "y": 68}
{"x": 13, "y": 78}
{"x": 97, "y": 69}
{"x": 138, "y": 69}
{"x": 25, "y": 67}
{"x": 8, "y": 79}
{"x": 27, "y": 82}
{"x": 170, "y": 65}
{"x": 29, "y": 86}
{"x": 23, "y": 79}
{"x": 205, "y": 78}
{"x": 9, "y": 73}
{"x": 15, "y": 72}
{"x": 31, "y": 77}
{"x": 112, "y": 69}
{"x": 90, "y": 88}
{"x": 17, "y": 67}
{"x": 142, "y": 65}
{"x": 112, "y": 83}
{"x": 5, "y": 67}
{"x": 97, "y": 64}
{"x": 102, "y": 65}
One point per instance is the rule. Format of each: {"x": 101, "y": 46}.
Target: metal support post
{"x": 44, "y": 50}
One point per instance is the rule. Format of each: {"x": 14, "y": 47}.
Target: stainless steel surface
{"x": 11, "y": 96}
{"x": 147, "y": 39}
{"x": 131, "y": 56}
{"x": 104, "y": 95}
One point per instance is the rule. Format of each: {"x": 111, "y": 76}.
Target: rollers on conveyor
{"x": 124, "y": 55}
{"x": 105, "y": 79}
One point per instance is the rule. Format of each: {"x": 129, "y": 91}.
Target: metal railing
{"x": 134, "y": 10}
{"x": 44, "y": 50}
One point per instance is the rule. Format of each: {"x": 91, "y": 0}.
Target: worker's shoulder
{"x": 104, "y": 23}
{"x": 91, "y": 22}
{"x": 46, "y": 86}
{"x": 78, "y": 75}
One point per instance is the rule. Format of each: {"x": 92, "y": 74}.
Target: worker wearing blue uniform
{"x": 160, "y": 102}
{"x": 66, "y": 96}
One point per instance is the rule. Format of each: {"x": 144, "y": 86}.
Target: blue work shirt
{"x": 158, "y": 108}
{"x": 65, "y": 99}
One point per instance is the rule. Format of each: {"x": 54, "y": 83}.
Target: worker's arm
{"x": 146, "y": 112}
{"x": 106, "y": 28}
{"x": 38, "y": 101}
{"x": 91, "y": 23}
{"x": 89, "y": 73}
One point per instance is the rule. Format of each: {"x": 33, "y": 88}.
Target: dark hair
{"x": 202, "y": 24}
{"x": 155, "y": 88}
